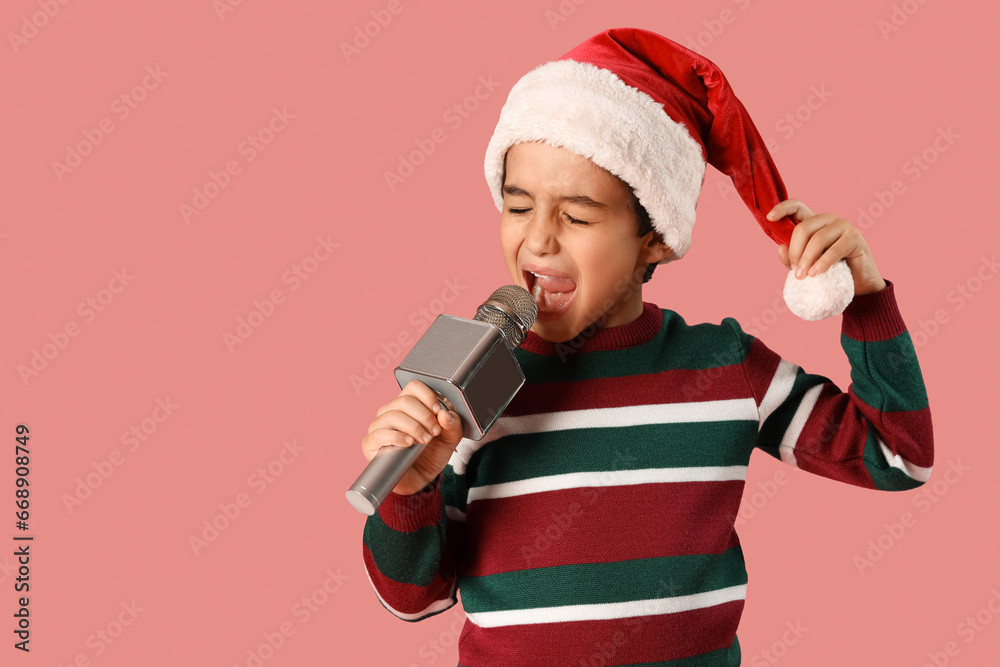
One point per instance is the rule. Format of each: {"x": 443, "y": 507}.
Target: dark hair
{"x": 645, "y": 226}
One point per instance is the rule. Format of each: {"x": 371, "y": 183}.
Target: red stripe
{"x": 672, "y": 386}
{"x": 407, "y": 598}
{"x": 760, "y": 365}
{"x": 874, "y": 316}
{"x": 600, "y": 524}
{"x": 607, "y": 642}
{"x": 907, "y": 432}
{"x": 407, "y": 514}
{"x": 832, "y": 439}
{"x": 829, "y": 444}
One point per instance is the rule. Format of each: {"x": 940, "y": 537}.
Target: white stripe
{"x": 909, "y": 469}
{"x": 437, "y": 605}
{"x": 574, "y": 480}
{"x": 778, "y": 390}
{"x": 608, "y": 610}
{"x": 632, "y": 415}
{"x": 794, "y": 430}
{"x": 454, "y": 513}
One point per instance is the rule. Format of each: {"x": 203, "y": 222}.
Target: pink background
{"x": 163, "y": 334}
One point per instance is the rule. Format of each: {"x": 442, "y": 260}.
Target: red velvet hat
{"x": 653, "y": 113}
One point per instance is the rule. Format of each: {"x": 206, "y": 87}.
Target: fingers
{"x": 809, "y": 239}
{"x": 415, "y": 429}
{"x": 414, "y": 415}
{"x": 814, "y": 248}
{"x": 417, "y": 415}
{"x": 383, "y": 437}
{"x": 424, "y": 394}
{"x": 833, "y": 254}
{"x": 418, "y": 400}
{"x": 790, "y": 207}
{"x": 450, "y": 431}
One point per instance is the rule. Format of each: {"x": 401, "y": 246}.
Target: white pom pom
{"x": 818, "y": 297}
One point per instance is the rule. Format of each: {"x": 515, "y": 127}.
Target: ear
{"x": 654, "y": 249}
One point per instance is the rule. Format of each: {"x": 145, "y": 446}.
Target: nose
{"x": 542, "y": 231}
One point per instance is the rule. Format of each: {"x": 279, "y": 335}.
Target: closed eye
{"x": 520, "y": 211}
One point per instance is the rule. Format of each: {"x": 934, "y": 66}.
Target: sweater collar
{"x": 638, "y": 331}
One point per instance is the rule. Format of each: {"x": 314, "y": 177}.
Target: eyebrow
{"x": 582, "y": 200}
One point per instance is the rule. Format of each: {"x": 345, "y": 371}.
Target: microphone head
{"x": 511, "y": 309}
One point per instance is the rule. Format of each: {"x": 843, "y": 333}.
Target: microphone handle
{"x": 382, "y": 474}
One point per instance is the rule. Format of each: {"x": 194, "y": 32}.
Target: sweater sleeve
{"x": 877, "y": 434}
{"x": 410, "y": 550}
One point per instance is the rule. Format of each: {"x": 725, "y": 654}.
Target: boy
{"x": 593, "y": 524}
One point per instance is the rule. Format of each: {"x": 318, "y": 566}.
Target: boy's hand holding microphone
{"x": 455, "y": 382}
{"x": 416, "y": 416}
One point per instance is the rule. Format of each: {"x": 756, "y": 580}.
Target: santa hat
{"x": 652, "y": 113}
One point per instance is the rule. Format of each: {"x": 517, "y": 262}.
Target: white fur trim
{"x": 593, "y": 113}
{"x": 818, "y": 297}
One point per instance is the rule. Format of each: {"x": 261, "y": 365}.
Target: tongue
{"x": 553, "y": 284}
{"x": 550, "y": 301}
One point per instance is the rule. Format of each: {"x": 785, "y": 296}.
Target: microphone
{"x": 469, "y": 362}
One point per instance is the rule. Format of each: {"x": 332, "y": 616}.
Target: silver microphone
{"x": 469, "y": 362}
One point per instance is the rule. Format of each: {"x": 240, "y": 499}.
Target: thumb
{"x": 451, "y": 426}
{"x": 783, "y": 255}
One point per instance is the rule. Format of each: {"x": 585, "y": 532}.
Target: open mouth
{"x": 552, "y": 295}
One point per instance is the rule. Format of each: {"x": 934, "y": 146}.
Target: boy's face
{"x": 596, "y": 268}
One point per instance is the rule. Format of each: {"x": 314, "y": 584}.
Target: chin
{"x": 554, "y": 332}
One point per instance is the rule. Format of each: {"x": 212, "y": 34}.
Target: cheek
{"x": 509, "y": 244}
{"x": 595, "y": 262}
{"x": 507, "y": 239}
{"x": 605, "y": 269}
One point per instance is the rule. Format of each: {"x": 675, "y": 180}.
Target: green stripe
{"x": 689, "y": 444}
{"x": 454, "y": 488}
{"x": 885, "y": 477}
{"x": 898, "y": 384}
{"x": 410, "y": 558}
{"x": 677, "y": 345}
{"x": 597, "y": 583}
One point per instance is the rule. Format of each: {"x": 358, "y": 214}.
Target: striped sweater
{"x": 594, "y": 523}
